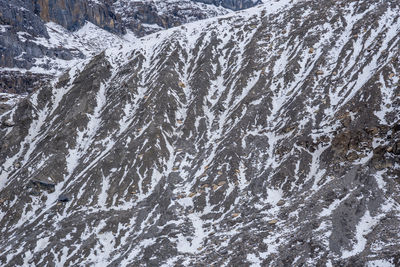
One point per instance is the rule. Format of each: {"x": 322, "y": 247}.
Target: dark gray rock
{"x": 73, "y": 14}
{"x": 19, "y": 83}
{"x": 43, "y": 185}
{"x": 64, "y": 198}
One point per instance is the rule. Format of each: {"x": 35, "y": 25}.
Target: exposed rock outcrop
{"x": 145, "y": 17}
{"x": 20, "y": 83}
{"x": 73, "y": 14}
{"x": 232, "y": 4}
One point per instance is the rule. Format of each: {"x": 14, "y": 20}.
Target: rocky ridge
{"x": 268, "y": 137}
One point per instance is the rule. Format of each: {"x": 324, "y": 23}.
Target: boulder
{"x": 272, "y": 222}
{"x": 43, "y": 185}
{"x": 64, "y": 198}
{"x": 280, "y": 202}
{"x": 8, "y": 123}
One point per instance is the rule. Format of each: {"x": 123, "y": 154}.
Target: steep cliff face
{"x": 268, "y": 137}
{"x": 18, "y": 14}
{"x": 25, "y": 44}
{"x": 20, "y": 83}
{"x": 73, "y": 14}
{"x": 16, "y": 18}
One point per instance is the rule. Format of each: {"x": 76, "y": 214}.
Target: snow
{"x": 193, "y": 246}
{"x": 23, "y": 36}
{"x": 365, "y": 226}
{"x": 380, "y": 263}
{"x": 85, "y": 138}
{"x": 105, "y": 186}
{"x": 335, "y": 204}
{"x": 273, "y": 196}
{"x": 41, "y": 244}
{"x": 387, "y": 96}
{"x": 89, "y": 40}
{"x": 3, "y": 28}
{"x": 254, "y": 260}
{"x": 10, "y": 100}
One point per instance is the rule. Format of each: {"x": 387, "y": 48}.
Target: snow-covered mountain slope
{"x": 269, "y": 137}
{"x": 23, "y": 21}
{"x": 145, "y": 17}
{"x": 88, "y": 41}
{"x": 62, "y": 49}
{"x": 45, "y": 37}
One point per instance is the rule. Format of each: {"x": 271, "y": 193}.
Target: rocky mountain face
{"x": 267, "y": 137}
{"x": 25, "y": 43}
{"x": 26, "y": 38}
{"x": 22, "y": 24}
{"x": 146, "y": 17}
{"x": 73, "y": 14}
{"x": 232, "y": 4}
